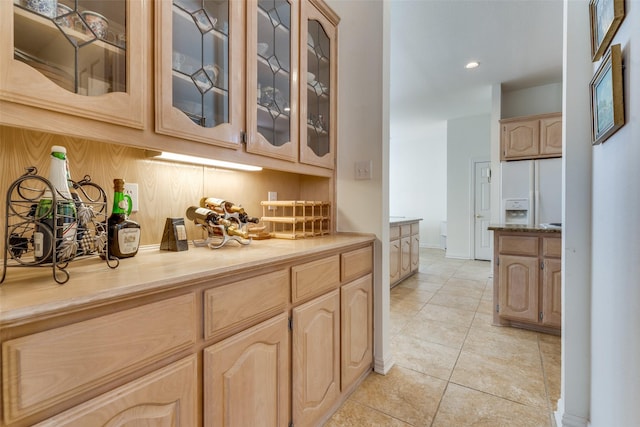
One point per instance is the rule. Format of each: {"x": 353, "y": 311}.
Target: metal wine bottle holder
{"x": 218, "y": 234}
{"x": 27, "y": 227}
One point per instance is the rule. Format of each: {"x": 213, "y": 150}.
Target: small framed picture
{"x": 605, "y": 16}
{"x": 607, "y": 96}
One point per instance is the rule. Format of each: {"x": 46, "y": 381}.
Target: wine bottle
{"x": 61, "y": 235}
{"x": 224, "y": 207}
{"x": 123, "y": 233}
{"x": 205, "y": 216}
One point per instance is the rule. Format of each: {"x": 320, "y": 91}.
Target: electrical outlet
{"x": 131, "y": 189}
{"x": 272, "y": 196}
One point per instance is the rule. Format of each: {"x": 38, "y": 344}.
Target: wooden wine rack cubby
{"x": 296, "y": 219}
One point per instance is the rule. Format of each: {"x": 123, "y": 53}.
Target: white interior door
{"x": 482, "y": 210}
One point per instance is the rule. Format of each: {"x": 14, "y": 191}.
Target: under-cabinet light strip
{"x": 201, "y": 161}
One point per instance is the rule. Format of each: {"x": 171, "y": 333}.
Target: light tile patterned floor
{"x": 453, "y": 368}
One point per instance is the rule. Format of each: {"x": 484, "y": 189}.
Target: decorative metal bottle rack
{"x": 26, "y": 227}
{"x": 219, "y": 235}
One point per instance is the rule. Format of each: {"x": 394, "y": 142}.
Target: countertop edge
{"x": 515, "y": 228}
{"x": 36, "y": 295}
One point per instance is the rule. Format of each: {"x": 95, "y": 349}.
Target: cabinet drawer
{"x": 314, "y": 278}
{"x": 552, "y": 247}
{"x": 518, "y": 245}
{"x": 245, "y": 303}
{"x": 405, "y": 230}
{"x": 356, "y": 263}
{"x": 159, "y": 398}
{"x": 415, "y": 228}
{"x": 394, "y": 232}
{"x": 46, "y": 368}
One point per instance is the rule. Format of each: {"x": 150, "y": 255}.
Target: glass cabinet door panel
{"x": 79, "y": 46}
{"x": 272, "y": 100}
{"x": 197, "y": 52}
{"x": 317, "y": 94}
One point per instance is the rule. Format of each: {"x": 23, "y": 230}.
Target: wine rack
{"x": 296, "y": 219}
{"x": 27, "y": 227}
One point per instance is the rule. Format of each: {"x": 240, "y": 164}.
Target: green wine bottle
{"x": 123, "y": 233}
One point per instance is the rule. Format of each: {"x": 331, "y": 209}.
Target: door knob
{"x": 478, "y": 216}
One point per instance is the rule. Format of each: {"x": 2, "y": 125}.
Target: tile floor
{"x": 452, "y": 367}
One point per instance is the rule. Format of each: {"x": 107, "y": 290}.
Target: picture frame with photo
{"x": 607, "y": 96}
{"x": 605, "y": 17}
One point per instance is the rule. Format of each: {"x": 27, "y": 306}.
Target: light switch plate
{"x": 363, "y": 169}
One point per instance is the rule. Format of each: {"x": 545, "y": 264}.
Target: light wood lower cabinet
{"x": 279, "y": 344}
{"x": 394, "y": 261}
{"x": 527, "y": 277}
{"x": 552, "y": 293}
{"x": 356, "y": 304}
{"x": 519, "y": 288}
{"x": 316, "y": 358}
{"x": 404, "y": 250}
{"x": 246, "y": 377}
{"x": 167, "y": 397}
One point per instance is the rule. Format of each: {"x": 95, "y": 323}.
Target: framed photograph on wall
{"x": 607, "y": 96}
{"x": 605, "y": 16}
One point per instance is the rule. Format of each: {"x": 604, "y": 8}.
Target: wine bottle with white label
{"x": 58, "y": 235}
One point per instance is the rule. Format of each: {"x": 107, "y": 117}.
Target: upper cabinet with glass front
{"x": 200, "y": 70}
{"x": 318, "y": 83}
{"x": 80, "y": 57}
{"x": 272, "y": 84}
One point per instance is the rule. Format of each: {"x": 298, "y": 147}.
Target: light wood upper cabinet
{"x": 318, "y": 84}
{"x": 53, "y": 60}
{"x": 272, "y": 78}
{"x": 531, "y": 137}
{"x": 200, "y": 70}
{"x": 551, "y": 135}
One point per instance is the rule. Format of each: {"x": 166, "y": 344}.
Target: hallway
{"x": 452, "y": 367}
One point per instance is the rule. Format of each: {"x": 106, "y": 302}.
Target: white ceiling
{"x": 517, "y": 42}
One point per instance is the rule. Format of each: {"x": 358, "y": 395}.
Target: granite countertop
{"x": 31, "y": 291}
{"x": 540, "y": 228}
{"x": 398, "y": 220}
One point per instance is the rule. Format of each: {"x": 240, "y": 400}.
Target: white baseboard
{"x": 567, "y": 420}
{"x": 383, "y": 366}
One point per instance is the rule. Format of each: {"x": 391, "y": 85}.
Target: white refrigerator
{"x": 538, "y": 181}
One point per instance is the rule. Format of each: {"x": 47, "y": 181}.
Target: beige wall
{"x": 165, "y": 189}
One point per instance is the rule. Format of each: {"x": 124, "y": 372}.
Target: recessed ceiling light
{"x": 472, "y": 64}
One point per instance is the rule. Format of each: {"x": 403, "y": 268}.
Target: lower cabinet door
{"x": 394, "y": 261}
{"x": 519, "y": 288}
{"x": 415, "y": 252}
{"x": 356, "y": 307}
{"x": 246, "y": 377}
{"x": 316, "y": 358}
{"x": 552, "y": 293}
{"x": 164, "y": 398}
{"x": 405, "y": 257}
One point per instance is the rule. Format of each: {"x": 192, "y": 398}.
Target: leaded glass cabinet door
{"x": 80, "y": 57}
{"x": 272, "y": 78}
{"x": 199, "y": 57}
{"x": 318, "y": 85}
